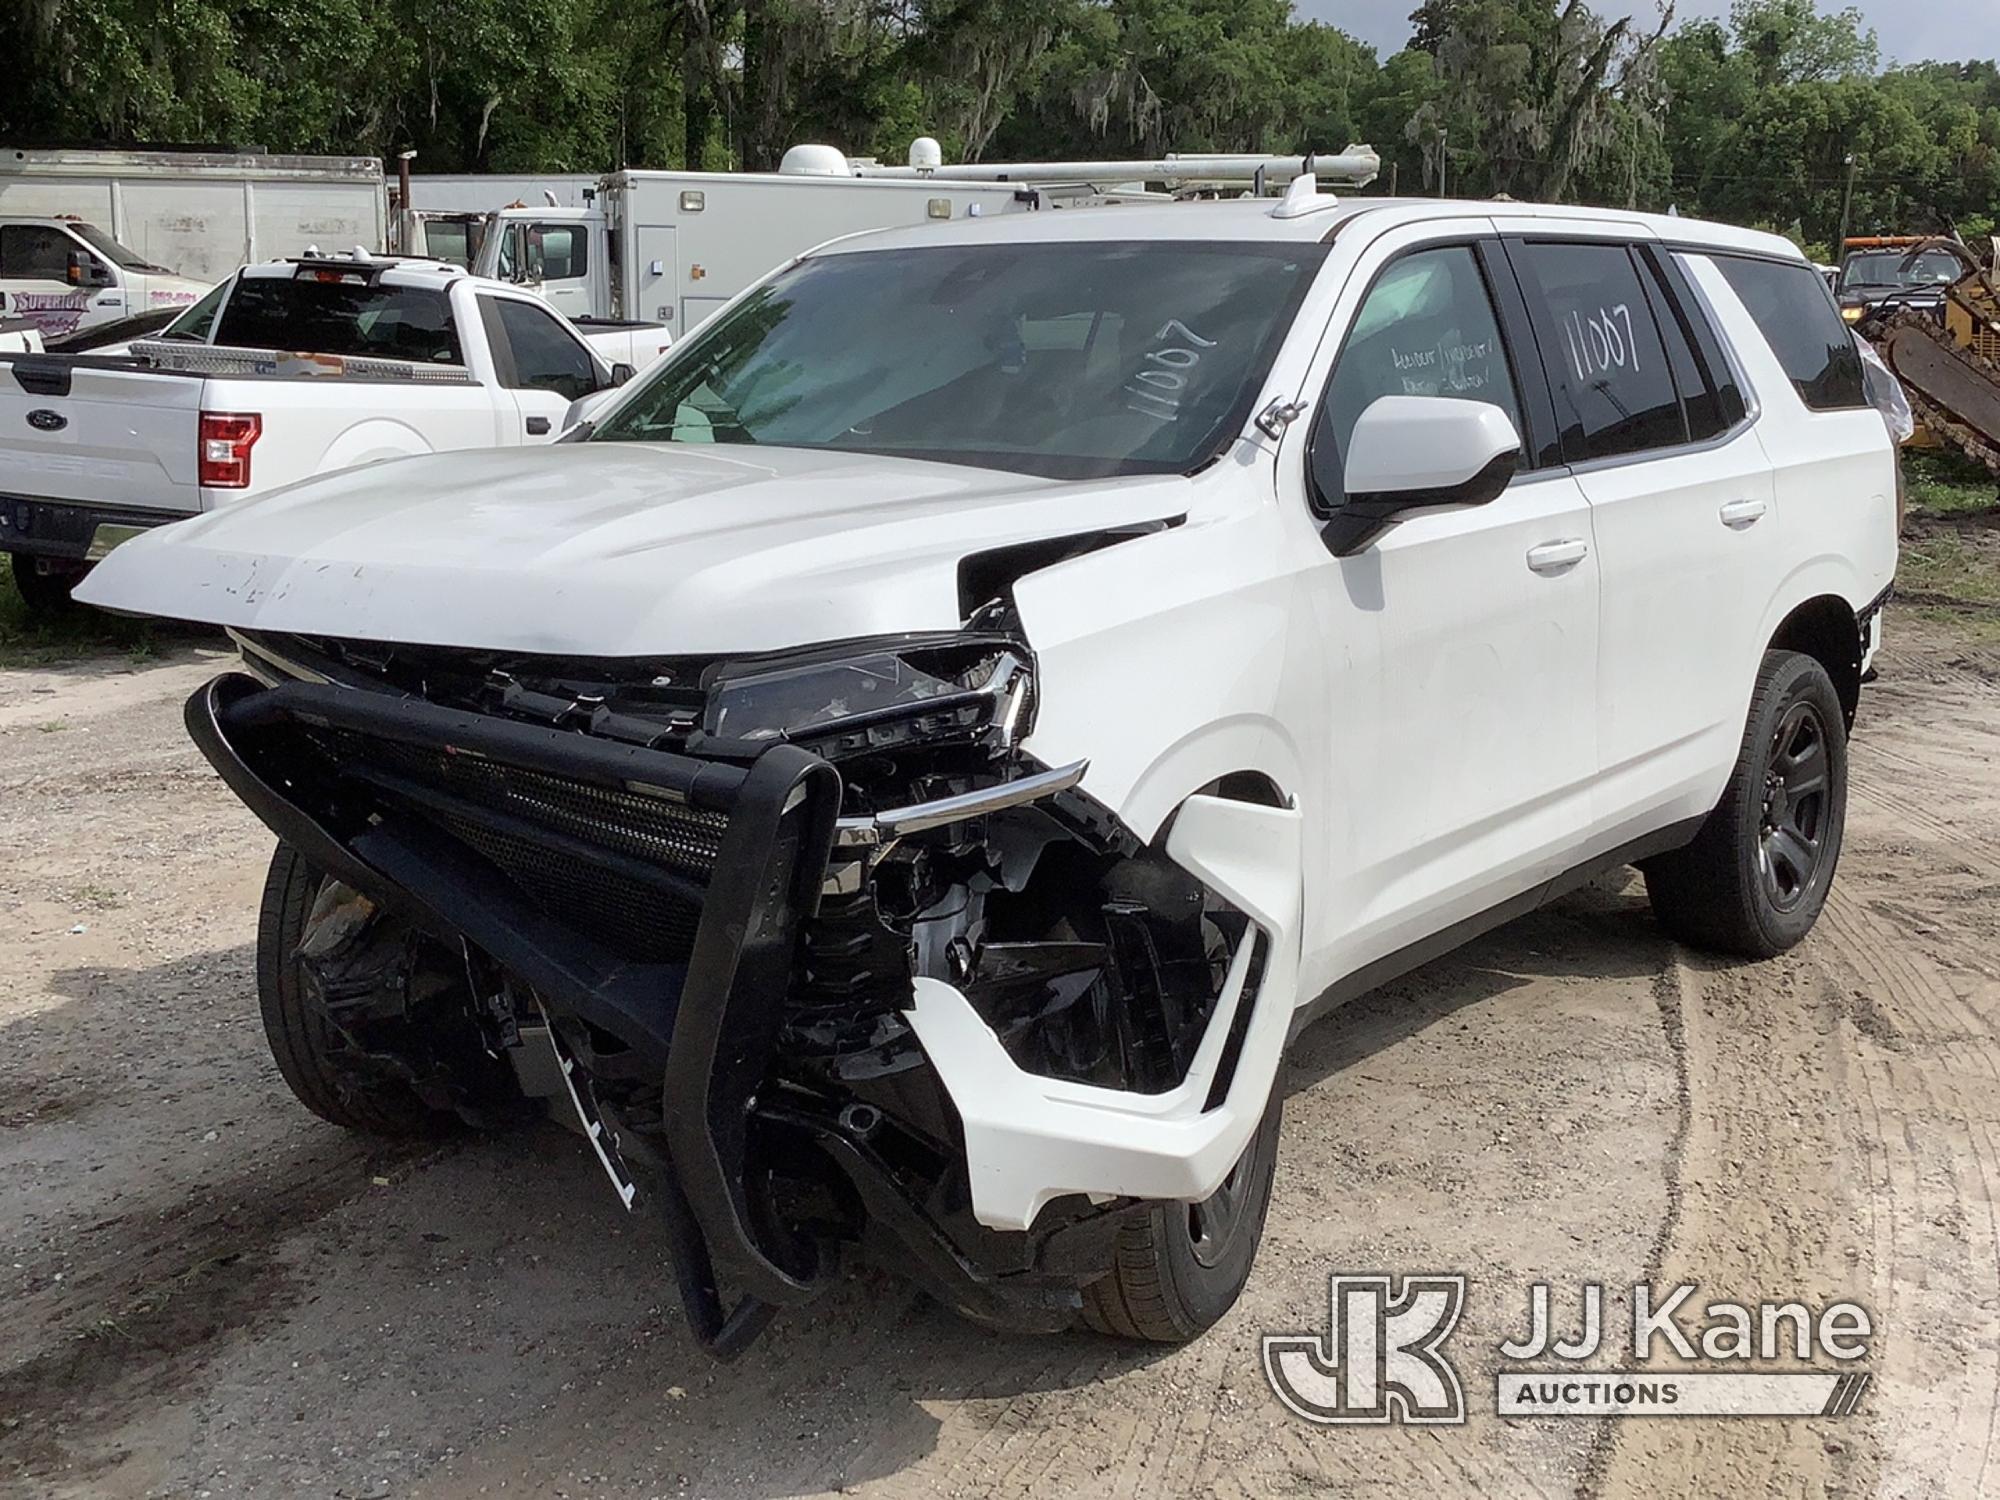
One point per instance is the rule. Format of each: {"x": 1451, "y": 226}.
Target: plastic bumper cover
{"x": 1030, "y": 1139}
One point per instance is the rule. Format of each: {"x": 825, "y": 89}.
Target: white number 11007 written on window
{"x": 1602, "y": 342}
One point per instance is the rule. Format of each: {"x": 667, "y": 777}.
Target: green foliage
{"x": 1753, "y": 119}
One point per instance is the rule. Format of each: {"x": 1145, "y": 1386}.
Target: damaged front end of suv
{"x": 818, "y": 956}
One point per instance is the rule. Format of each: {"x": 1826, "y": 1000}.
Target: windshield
{"x": 1071, "y": 360}
{"x": 1886, "y": 268}
{"x": 198, "y": 322}
{"x": 116, "y": 253}
{"x": 454, "y": 240}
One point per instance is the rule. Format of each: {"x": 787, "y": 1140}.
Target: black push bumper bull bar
{"x": 706, "y": 1025}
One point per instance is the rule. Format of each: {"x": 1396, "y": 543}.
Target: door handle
{"x": 1553, "y": 557}
{"x": 1737, "y": 514}
{"x": 538, "y": 427}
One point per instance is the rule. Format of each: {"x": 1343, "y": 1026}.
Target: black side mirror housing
{"x": 1408, "y": 453}
{"x": 622, "y": 372}
{"x": 87, "y": 270}
{"x": 1363, "y": 518}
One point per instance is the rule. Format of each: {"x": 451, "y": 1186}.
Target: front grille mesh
{"x": 638, "y": 921}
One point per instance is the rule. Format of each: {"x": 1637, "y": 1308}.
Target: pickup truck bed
{"x": 93, "y": 447}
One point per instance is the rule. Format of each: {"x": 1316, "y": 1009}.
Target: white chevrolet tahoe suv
{"x": 903, "y": 771}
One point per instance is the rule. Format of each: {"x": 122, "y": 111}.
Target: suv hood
{"x": 609, "y": 549}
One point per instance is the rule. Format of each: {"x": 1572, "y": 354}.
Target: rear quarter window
{"x": 1796, "y": 314}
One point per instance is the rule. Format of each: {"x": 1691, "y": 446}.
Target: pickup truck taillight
{"x": 226, "y": 440}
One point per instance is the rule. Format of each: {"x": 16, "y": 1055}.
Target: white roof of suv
{"x": 1254, "y": 219}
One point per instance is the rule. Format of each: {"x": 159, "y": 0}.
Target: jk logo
{"x": 1378, "y": 1361}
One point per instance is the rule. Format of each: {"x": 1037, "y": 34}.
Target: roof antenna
{"x": 1303, "y": 197}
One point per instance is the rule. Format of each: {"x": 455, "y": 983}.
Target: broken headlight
{"x": 964, "y": 689}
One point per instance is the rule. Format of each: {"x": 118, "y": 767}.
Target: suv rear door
{"x": 1461, "y": 645}
{"x": 1654, "y": 428}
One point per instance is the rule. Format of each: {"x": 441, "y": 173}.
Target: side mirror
{"x": 87, "y": 270}
{"x": 1412, "y": 452}
{"x": 584, "y": 408}
{"x": 621, "y": 372}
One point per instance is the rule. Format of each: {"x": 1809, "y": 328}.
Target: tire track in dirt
{"x": 1841, "y": 1143}
{"x": 1923, "y": 1050}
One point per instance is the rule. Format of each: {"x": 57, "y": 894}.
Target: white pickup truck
{"x": 289, "y": 369}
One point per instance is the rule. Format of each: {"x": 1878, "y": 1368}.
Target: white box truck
{"x": 202, "y": 214}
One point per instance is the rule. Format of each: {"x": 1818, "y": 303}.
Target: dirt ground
{"x": 206, "y": 1293}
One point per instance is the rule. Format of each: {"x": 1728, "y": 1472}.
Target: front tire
{"x": 1757, "y": 874}
{"x": 1178, "y": 1269}
{"x": 304, "y": 1046}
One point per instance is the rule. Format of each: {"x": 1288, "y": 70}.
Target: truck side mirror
{"x": 87, "y": 270}
{"x": 622, "y": 372}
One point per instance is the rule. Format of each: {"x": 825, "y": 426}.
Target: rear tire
{"x": 46, "y": 595}
{"x": 303, "y": 1045}
{"x": 1178, "y": 1269}
{"x": 1757, "y": 874}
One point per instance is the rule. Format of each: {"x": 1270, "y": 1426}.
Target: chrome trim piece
{"x": 894, "y": 823}
{"x": 261, "y": 661}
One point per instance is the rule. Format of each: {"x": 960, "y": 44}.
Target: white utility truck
{"x": 91, "y": 236}
{"x": 674, "y": 246}
{"x": 407, "y": 357}
{"x": 63, "y": 274}
{"x": 447, "y": 214}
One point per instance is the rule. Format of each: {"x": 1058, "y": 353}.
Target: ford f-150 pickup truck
{"x": 289, "y": 369}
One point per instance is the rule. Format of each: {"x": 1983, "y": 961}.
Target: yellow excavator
{"x": 1947, "y": 355}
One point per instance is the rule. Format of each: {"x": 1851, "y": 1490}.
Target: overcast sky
{"x": 1909, "y": 30}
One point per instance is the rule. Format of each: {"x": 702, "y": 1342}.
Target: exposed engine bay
{"x": 700, "y": 894}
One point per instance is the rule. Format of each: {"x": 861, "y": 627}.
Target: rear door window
{"x": 1607, "y": 365}
{"x": 1796, "y": 314}
{"x": 1709, "y": 389}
